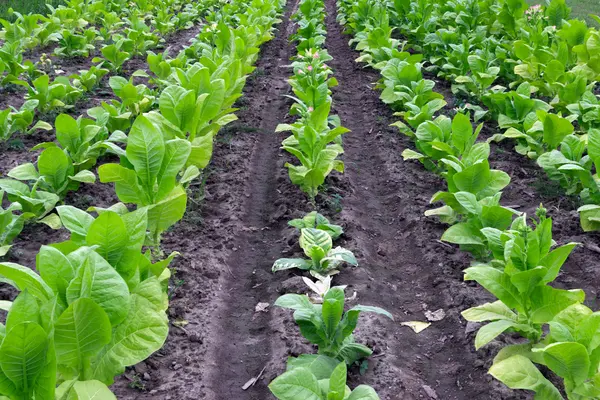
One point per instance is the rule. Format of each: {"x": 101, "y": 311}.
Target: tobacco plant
{"x": 328, "y": 326}
{"x": 89, "y": 79}
{"x": 13, "y": 121}
{"x": 75, "y": 45}
{"x": 316, "y": 145}
{"x": 317, "y": 377}
{"x": 55, "y": 172}
{"x": 114, "y": 56}
{"x": 315, "y": 220}
{"x": 317, "y": 245}
{"x": 77, "y": 316}
{"x": 148, "y": 175}
{"x": 442, "y": 138}
{"x": 519, "y": 276}
{"x": 11, "y": 224}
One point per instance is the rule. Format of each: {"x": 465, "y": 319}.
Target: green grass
{"x": 26, "y": 6}
{"x": 580, "y": 9}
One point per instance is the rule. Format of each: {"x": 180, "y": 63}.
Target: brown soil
{"x": 236, "y": 226}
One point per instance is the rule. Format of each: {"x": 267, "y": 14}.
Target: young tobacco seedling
{"x": 570, "y": 350}
{"x": 327, "y": 326}
{"x": 317, "y": 377}
{"x": 148, "y": 175}
{"x": 75, "y": 45}
{"x": 315, "y": 220}
{"x": 15, "y": 121}
{"x": 519, "y": 277}
{"x": 55, "y": 172}
{"x": 318, "y": 246}
{"x": 114, "y": 56}
{"x": 82, "y": 140}
{"x": 316, "y": 146}
{"x": 122, "y": 248}
{"x": 11, "y": 225}
{"x": 136, "y": 99}
{"x": 89, "y": 79}
{"x": 441, "y": 138}
{"x": 34, "y": 204}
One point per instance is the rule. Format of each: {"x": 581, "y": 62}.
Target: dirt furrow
{"x": 233, "y": 231}
{"x": 242, "y": 343}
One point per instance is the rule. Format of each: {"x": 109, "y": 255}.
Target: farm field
{"x": 300, "y": 200}
{"x": 580, "y": 8}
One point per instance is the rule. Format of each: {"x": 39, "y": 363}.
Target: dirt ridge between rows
{"x": 242, "y": 343}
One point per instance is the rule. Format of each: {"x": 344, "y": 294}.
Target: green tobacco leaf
{"x": 167, "y": 211}
{"x": 201, "y": 152}
{"x": 75, "y": 220}
{"x": 524, "y": 281}
{"x": 338, "y": 255}
{"x": 352, "y": 352}
{"x": 23, "y": 355}
{"x": 177, "y": 152}
{"x": 332, "y": 309}
{"x": 296, "y": 302}
{"x": 297, "y": 384}
{"x": 67, "y": 132}
{"x": 55, "y": 167}
{"x": 547, "y": 302}
{"x": 24, "y": 172}
{"x": 315, "y": 237}
{"x": 568, "y": 360}
{"x": 490, "y": 331}
{"x": 290, "y": 263}
{"x": 337, "y": 383}
{"x": 321, "y": 366}
{"x": 84, "y": 390}
{"x": 143, "y": 332}
{"x": 556, "y": 129}
{"x": 80, "y": 332}
{"x": 376, "y": 310}
{"x": 474, "y": 178}
{"x": 497, "y": 283}
{"x": 462, "y": 233}
{"x": 145, "y": 151}
{"x": 518, "y": 372}
{"x": 84, "y": 176}
{"x": 489, "y": 312}
{"x": 462, "y": 131}
{"x": 554, "y": 260}
{"x": 109, "y": 233}
{"x": 24, "y": 278}
{"x": 363, "y": 392}
{"x": 126, "y": 183}
{"x": 52, "y": 220}
{"x": 178, "y": 106}
{"x": 99, "y": 281}
{"x": 25, "y": 308}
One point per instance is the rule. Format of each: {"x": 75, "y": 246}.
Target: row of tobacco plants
{"x": 315, "y": 144}
{"x": 64, "y": 164}
{"x": 97, "y": 302}
{"x": 532, "y": 71}
{"x": 516, "y": 259}
{"x": 115, "y": 31}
